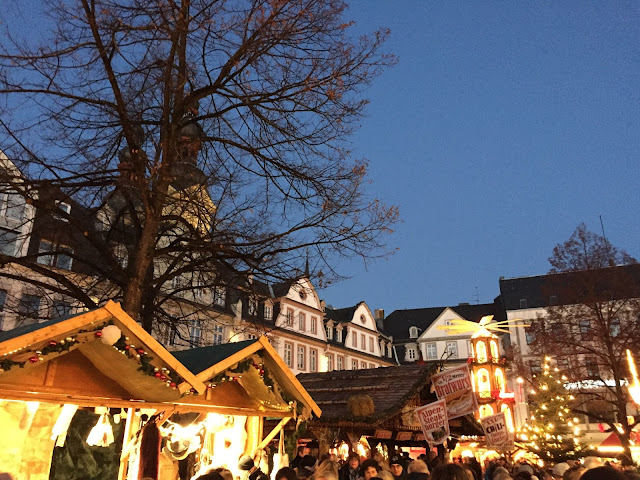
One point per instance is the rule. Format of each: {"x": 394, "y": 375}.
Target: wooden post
{"x": 128, "y": 434}
{"x": 273, "y": 433}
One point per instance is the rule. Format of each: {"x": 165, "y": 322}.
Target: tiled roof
{"x": 341, "y": 315}
{"x": 389, "y": 387}
{"x": 32, "y": 327}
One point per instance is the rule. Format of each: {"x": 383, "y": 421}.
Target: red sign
{"x": 454, "y": 386}
{"x": 404, "y": 436}
{"x": 434, "y": 422}
{"x": 383, "y": 434}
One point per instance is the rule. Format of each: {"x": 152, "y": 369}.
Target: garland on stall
{"x": 109, "y": 334}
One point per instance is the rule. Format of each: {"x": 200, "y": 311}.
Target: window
{"x": 432, "y": 351}
{"x": 268, "y": 312}
{"x": 585, "y": 329}
{"x": 614, "y": 327}
{"x": 557, "y": 330}
{"x": 484, "y": 383}
{"x": 354, "y": 364}
{"x": 371, "y": 365}
{"x": 485, "y": 411}
{"x": 529, "y": 335}
{"x": 411, "y": 353}
{"x": 362, "y": 340}
{"x": 252, "y": 307}
{"x": 413, "y": 332}
{"x": 339, "y": 335}
{"x": 371, "y": 344}
{"x": 340, "y": 363}
{"x": 535, "y": 367}
{"x": 120, "y": 255}
{"x": 363, "y": 365}
{"x": 302, "y": 322}
{"x": 63, "y": 211}
{"x": 302, "y": 357}
{"x": 329, "y": 332}
{"x": 329, "y": 362}
{"x": 562, "y": 364}
{"x": 591, "y": 366}
{"x": 452, "y": 349}
{"x": 289, "y": 318}
{"x": 500, "y": 383}
{"x": 288, "y": 354}
{"x": 60, "y": 308}
{"x": 54, "y": 255}
{"x": 252, "y": 336}
{"x": 523, "y": 303}
{"x": 13, "y": 206}
{"x": 494, "y": 349}
{"x": 481, "y": 351}
{"x": 314, "y": 325}
{"x": 219, "y": 296}
{"x": 195, "y": 333}
{"x": 8, "y": 242}
{"x": 218, "y": 334}
{"x": 29, "y": 306}
{"x": 354, "y": 339}
{"x": 313, "y": 360}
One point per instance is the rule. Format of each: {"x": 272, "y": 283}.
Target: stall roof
{"x": 390, "y": 388}
{"x": 66, "y": 358}
{"x": 207, "y": 362}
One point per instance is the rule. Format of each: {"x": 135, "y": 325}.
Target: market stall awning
{"x": 249, "y": 375}
{"x": 101, "y": 357}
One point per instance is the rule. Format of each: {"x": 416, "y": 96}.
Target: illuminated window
{"x": 484, "y": 383}
{"x": 485, "y": 411}
{"x": 481, "y": 352}
{"x": 494, "y": 349}
{"x": 508, "y": 417}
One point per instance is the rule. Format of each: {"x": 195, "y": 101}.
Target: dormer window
{"x": 413, "y": 332}
{"x": 329, "y": 333}
{"x": 339, "y": 335}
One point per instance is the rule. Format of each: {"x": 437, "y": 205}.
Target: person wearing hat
{"x": 253, "y": 473}
{"x": 396, "y": 468}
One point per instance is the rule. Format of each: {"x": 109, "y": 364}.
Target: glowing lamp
{"x": 634, "y": 388}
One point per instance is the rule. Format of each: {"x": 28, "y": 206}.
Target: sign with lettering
{"x": 496, "y": 432}
{"x": 383, "y": 434}
{"x": 404, "y": 436}
{"x": 434, "y": 423}
{"x": 454, "y": 386}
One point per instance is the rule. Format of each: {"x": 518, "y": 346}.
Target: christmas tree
{"x": 551, "y": 432}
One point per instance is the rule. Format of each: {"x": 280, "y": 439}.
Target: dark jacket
{"x": 417, "y": 476}
{"x": 258, "y": 475}
{"x": 346, "y": 473}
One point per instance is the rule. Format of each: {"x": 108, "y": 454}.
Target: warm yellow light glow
{"x": 520, "y": 380}
{"x": 634, "y": 388}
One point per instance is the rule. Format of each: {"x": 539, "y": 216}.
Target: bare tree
{"x": 594, "y": 318}
{"x": 206, "y": 139}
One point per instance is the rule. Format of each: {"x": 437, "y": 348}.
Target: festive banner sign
{"x": 496, "y": 432}
{"x": 434, "y": 423}
{"x": 454, "y": 386}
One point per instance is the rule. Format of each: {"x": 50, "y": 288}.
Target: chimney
{"x": 463, "y": 304}
{"x": 378, "y": 313}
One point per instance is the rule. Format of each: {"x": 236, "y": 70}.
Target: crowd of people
{"x": 429, "y": 467}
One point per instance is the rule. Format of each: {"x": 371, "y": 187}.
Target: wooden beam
{"x": 128, "y": 430}
{"x": 54, "y": 331}
{"x": 157, "y": 348}
{"x": 273, "y": 433}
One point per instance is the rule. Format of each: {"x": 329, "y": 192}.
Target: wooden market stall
{"x": 101, "y": 358}
{"x": 66, "y": 383}
{"x": 375, "y": 408}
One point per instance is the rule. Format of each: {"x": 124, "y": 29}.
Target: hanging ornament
{"x": 110, "y": 334}
{"x": 101, "y": 435}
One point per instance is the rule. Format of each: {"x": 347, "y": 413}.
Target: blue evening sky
{"x": 504, "y": 125}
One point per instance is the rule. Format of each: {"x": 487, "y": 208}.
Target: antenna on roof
{"x": 476, "y": 296}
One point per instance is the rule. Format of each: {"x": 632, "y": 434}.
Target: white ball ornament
{"x": 110, "y": 334}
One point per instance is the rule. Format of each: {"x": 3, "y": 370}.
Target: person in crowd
{"x": 499, "y": 471}
{"x": 286, "y": 473}
{"x": 245, "y": 464}
{"x": 328, "y": 467}
{"x": 301, "y": 452}
{"x": 210, "y": 475}
{"x": 396, "y": 468}
{"x": 351, "y": 470}
{"x": 225, "y": 473}
{"x": 603, "y": 473}
{"x": 450, "y": 471}
{"x": 385, "y": 475}
{"x": 557, "y": 472}
{"x": 502, "y": 476}
{"x": 574, "y": 473}
{"x": 307, "y": 466}
{"x": 472, "y": 464}
{"x": 417, "y": 470}
{"x": 370, "y": 469}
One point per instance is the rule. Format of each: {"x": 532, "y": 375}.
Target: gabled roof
{"x": 390, "y": 388}
{"x": 208, "y": 362}
{"x": 398, "y": 322}
{"x": 75, "y": 345}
